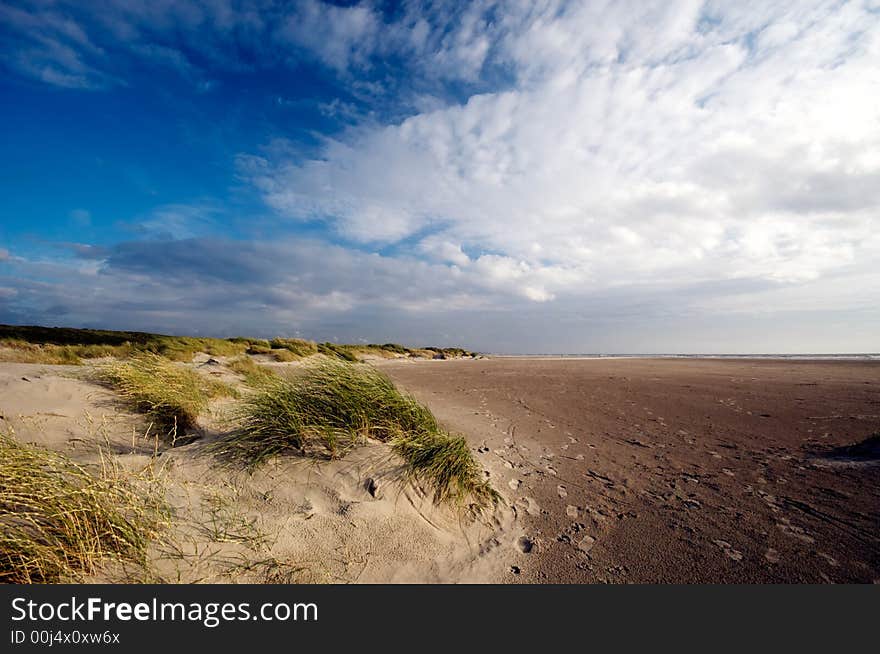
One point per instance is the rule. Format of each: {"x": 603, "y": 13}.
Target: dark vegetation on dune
{"x": 62, "y": 345}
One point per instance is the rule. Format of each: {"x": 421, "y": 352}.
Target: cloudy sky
{"x": 534, "y": 176}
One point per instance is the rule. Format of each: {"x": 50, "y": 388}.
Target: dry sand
{"x": 612, "y": 471}
{"x": 673, "y": 470}
{"x": 294, "y": 520}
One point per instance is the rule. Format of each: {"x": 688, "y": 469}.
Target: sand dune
{"x": 294, "y": 520}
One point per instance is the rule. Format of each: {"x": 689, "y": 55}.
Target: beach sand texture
{"x": 674, "y": 470}
{"x": 629, "y": 470}
{"x": 294, "y": 520}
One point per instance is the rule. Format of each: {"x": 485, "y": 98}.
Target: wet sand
{"x": 673, "y": 470}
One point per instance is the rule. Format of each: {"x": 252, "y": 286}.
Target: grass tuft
{"x": 58, "y": 521}
{"x": 332, "y": 405}
{"x": 254, "y": 374}
{"x": 171, "y": 395}
{"x": 297, "y": 346}
{"x": 446, "y": 462}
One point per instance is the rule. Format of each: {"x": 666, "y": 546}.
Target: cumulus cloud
{"x": 640, "y": 141}
{"x": 577, "y": 170}
{"x": 220, "y": 287}
{"x": 215, "y": 285}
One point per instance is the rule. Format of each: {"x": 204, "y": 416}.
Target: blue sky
{"x": 509, "y": 176}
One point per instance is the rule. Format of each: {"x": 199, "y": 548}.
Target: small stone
{"x": 586, "y": 543}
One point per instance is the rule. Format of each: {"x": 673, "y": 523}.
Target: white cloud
{"x": 339, "y": 36}
{"x": 661, "y": 142}
{"x": 612, "y": 165}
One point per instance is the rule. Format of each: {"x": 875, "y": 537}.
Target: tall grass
{"x": 344, "y": 352}
{"x": 171, "y": 395}
{"x": 331, "y": 405}
{"x": 58, "y": 521}
{"x": 90, "y": 343}
{"x": 65, "y": 345}
{"x": 446, "y": 462}
{"x": 17, "y": 350}
{"x": 254, "y": 374}
{"x": 298, "y": 346}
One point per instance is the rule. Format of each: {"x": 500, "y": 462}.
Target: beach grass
{"x": 20, "y": 351}
{"x": 255, "y": 375}
{"x": 332, "y": 405}
{"x": 297, "y": 346}
{"x": 58, "y": 521}
{"x": 171, "y": 395}
{"x": 445, "y": 461}
{"x": 63, "y": 345}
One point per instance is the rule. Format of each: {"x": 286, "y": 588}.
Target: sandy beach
{"x": 295, "y": 520}
{"x": 614, "y": 470}
{"x": 689, "y": 471}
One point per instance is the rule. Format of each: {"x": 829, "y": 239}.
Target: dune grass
{"x": 63, "y": 345}
{"x": 20, "y": 351}
{"x": 58, "y": 521}
{"x": 254, "y": 374}
{"x": 445, "y": 461}
{"x": 298, "y": 346}
{"x": 332, "y": 405}
{"x": 171, "y": 395}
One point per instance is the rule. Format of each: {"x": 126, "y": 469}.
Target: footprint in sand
{"x": 571, "y": 511}
{"x": 793, "y": 530}
{"x": 529, "y": 505}
{"x": 831, "y": 560}
{"x": 736, "y": 555}
{"x": 561, "y": 491}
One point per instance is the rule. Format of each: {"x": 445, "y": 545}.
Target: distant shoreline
{"x": 867, "y": 356}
